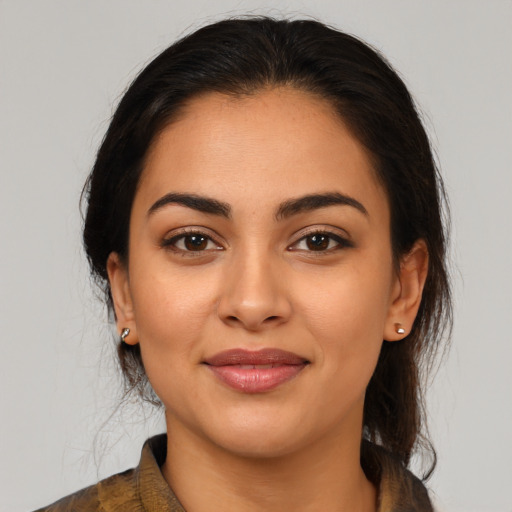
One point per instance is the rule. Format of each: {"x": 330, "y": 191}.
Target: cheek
{"x": 171, "y": 311}
{"x": 346, "y": 314}
{"x": 352, "y": 301}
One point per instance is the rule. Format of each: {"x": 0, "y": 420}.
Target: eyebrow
{"x": 315, "y": 202}
{"x": 285, "y": 210}
{"x": 195, "y": 202}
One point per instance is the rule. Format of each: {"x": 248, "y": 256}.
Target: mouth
{"x": 255, "y": 371}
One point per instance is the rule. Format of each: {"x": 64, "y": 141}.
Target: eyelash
{"x": 170, "y": 243}
{"x": 341, "y": 242}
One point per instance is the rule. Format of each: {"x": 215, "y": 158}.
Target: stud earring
{"x": 399, "y": 329}
{"x": 124, "y": 334}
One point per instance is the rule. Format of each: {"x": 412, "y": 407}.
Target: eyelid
{"x": 336, "y": 234}
{"x": 168, "y": 241}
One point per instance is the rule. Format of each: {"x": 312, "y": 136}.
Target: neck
{"x": 326, "y": 475}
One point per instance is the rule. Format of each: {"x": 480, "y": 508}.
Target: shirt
{"x": 144, "y": 489}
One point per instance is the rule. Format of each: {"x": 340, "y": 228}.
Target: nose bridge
{"x": 253, "y": 293}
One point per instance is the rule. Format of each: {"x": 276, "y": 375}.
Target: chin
{"x": 258, "y": 436}
{"x": 259, "y": 445}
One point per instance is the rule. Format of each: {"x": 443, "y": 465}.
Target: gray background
{"x": 63, "y": 64}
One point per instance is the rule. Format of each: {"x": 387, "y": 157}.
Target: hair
{"x": 242, "y": 56}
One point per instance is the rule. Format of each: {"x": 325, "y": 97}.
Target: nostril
{"x": 233, "y": 319}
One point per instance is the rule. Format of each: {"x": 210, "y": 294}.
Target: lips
{"x": 255, "y": 371}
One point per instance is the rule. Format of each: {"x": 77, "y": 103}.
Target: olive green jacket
{"x": 144, "y": 489}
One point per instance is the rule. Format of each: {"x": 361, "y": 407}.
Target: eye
{"x": 191, "y": 242}
{"x": 321, "y": 241}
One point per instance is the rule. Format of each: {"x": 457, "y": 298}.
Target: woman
{"x": 264, "y": 216}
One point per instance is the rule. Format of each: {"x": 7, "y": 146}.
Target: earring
{"x": 399, "y": 329}
{"x": 124, "y": 333}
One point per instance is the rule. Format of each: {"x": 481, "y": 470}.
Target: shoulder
{"x": 117, "y": 492}
{"x": 140, "y": 489}
{"x": 398, "y": 489}
{"x": 403, "y": 491}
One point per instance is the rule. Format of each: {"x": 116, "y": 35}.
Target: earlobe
{"x": 407, "y": 293}
{"x": 121, "y": 297}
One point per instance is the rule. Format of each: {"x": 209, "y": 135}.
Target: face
{"x": 260, "y": 282}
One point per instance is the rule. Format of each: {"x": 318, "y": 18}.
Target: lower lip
{"x": 256, "y": 380}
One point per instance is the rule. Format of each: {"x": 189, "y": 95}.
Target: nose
{"x": 254, "y": 294}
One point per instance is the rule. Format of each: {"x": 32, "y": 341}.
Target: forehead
{"x": 272, "y": 145}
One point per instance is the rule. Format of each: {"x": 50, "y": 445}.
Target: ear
{"x": 121, "y": 296}
{"x": 407, "y": 292}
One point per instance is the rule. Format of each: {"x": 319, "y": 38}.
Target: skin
{"x": 258, "y": 284}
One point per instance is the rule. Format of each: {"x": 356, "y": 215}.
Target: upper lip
{"x": 256, "y": 357}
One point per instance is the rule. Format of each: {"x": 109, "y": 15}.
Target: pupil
{"x": 317, "y": 242}
{"x": 195, "y": 242}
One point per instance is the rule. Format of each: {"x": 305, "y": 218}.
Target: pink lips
{"x": 255, "y": 371}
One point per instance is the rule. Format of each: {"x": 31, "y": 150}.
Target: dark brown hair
{"x": 242, "y": 56}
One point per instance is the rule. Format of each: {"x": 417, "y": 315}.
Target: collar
{"x": 398, "y": 489}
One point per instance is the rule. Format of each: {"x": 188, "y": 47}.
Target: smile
{"x": 255, "y": 371}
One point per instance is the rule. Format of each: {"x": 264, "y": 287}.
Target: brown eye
{"x": 195, "y": 242}
{"x": 321, "y": 242}
{"x": 191, "y": 243}
{"x": 318, "y": 242}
